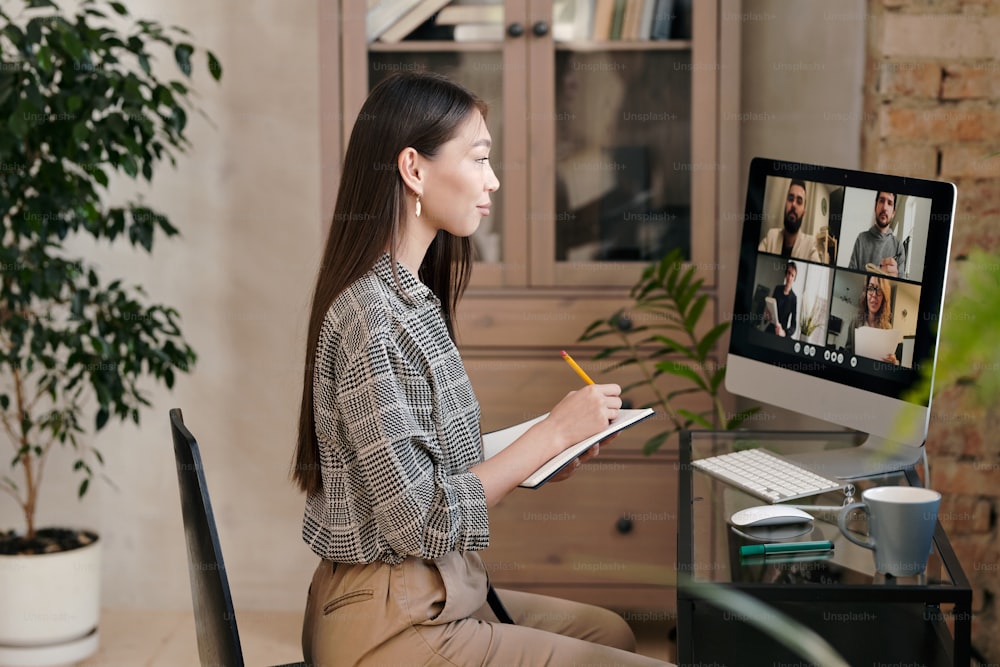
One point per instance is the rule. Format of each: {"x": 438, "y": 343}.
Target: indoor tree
{"x": 85, "y": 99}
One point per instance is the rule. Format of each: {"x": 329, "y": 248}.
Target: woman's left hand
{"x": 568, "y": 471}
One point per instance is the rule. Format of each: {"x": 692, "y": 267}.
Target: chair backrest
{"x": 215, "y": 619}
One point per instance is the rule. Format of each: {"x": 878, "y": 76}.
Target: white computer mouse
{"x": 769, "y": 515}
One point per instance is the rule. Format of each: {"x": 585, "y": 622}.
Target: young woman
{"x": 389, "y": 449}
{"x": 874, "y": 310}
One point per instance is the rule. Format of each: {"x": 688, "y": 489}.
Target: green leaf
{"x": 15, "y": 35}
{"x": 102, "y": 418}
{"x": 71, "y": 42}
{"x": 656, "y": 442}
{"x": 144, "y": 63}
{"x": 182, "y": 54}
{"x": 681, "y": 392}
{"x": 179, "y": 118}
{"x": 99, "y": 176}
{"x": 45, "y": 58}
{"x": 119, "y": 7}
{"x": 80, "y": 132}
{"x": 84, "y": 485}
{"x": 18, "y": 123}
{"x": 214, "y": 66}
{"x": 129, "y": 166}
{"x": 706, "y": 343}
{"x": 741, "y": 417}
{"x": 694, "y": 418}
{"x": 716, "y": 380}
{"x": 695, "y": 313}
{"x": 609, "y": 351}
{"x": 681, "y": 370}
{"x": 676, "y": 346}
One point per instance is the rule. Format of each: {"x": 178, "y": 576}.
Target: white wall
{"x": 246, "y": 199}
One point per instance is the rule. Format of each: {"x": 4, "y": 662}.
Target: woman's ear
{"x": 410, "y": 165}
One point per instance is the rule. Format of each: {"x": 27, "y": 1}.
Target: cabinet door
{"x": 623, "y": 166}
{"x": 605, "y": 144}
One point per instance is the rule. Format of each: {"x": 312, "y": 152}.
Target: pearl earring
{"x": 418, "y": 206}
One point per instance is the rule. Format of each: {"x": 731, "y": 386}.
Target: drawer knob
{"x": 624, "y": 525}
{"x": 515, "y": 29}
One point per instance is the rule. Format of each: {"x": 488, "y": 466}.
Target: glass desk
{"x": 868, "y": 618}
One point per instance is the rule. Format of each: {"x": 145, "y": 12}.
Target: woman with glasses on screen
{"x": 874, "y": 310}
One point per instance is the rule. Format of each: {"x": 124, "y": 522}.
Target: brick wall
{"x": 932, "y": 110}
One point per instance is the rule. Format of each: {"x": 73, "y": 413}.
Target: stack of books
{"x": 483, "y": 20}
{"x": 632, "y": 20}
{"x": 461, "y": 20}
{"x": 475, "y": 21}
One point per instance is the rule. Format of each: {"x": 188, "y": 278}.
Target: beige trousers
{"x": 434, "y": 612}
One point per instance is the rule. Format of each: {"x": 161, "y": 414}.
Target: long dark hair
{"x": 408, "y": 109}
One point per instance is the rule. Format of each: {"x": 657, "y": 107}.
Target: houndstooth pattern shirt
{"x": 398, "y": 429}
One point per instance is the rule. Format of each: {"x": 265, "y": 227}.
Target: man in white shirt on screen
{"x": 788, "y": 240}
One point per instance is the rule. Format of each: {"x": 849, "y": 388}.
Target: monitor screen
{"x": 839, "y": 294}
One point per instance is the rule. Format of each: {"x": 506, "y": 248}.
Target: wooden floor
{"x": 141, "y": 638}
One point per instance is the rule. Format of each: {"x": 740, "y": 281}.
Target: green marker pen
{"x": 784, "y": 548}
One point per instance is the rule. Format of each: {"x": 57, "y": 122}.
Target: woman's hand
{"x": 576, "y": 417}
{"x": 584, "y": 412}
{"x": 568, "y": 471}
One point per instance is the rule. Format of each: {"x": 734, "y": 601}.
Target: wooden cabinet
{"x": 608, "y": 156}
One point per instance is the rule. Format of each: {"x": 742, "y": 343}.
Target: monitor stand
{"x": 875, "y": 456}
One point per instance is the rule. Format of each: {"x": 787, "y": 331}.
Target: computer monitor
{"x": 835, "y": 318}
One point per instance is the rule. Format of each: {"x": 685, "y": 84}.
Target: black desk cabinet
{"x": 870, "y": 619}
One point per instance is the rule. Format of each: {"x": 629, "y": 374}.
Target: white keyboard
{"x": 767, "y": 475}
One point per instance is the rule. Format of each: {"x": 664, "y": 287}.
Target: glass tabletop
{"x": 868, "y": 618}
{"x": 713, "y": 545}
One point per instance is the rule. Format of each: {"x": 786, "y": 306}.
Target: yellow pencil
{"x": 576, "y": 367}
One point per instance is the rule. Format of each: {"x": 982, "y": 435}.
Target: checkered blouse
{"x": 398, "y": 429}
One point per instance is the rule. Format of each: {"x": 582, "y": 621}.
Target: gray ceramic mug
{"x": 901, "y": 522}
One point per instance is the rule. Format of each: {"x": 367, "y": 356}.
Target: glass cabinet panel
{"x": 602, "y": 163}
{"x": 622, "y": 147}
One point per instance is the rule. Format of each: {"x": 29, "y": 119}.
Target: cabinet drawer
{"x": 530, "y": 320}
{"x": 613, "y": 523}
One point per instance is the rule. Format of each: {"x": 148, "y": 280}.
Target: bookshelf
{"x": 607, "y": 151}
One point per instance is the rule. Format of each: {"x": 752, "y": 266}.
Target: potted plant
{"x": 667, "y": 344}
{"x": 81, "y": 104}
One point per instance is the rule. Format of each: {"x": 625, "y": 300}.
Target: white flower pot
{"x": 49, "y": 607}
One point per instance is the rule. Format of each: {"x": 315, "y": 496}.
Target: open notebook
{"x": 496, "y": 441}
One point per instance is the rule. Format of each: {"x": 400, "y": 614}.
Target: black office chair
{"x": 214, "y": 617}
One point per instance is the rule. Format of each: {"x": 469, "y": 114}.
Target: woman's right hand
{"x": 576, "y": 417}
{"x": 584, "y": 412}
